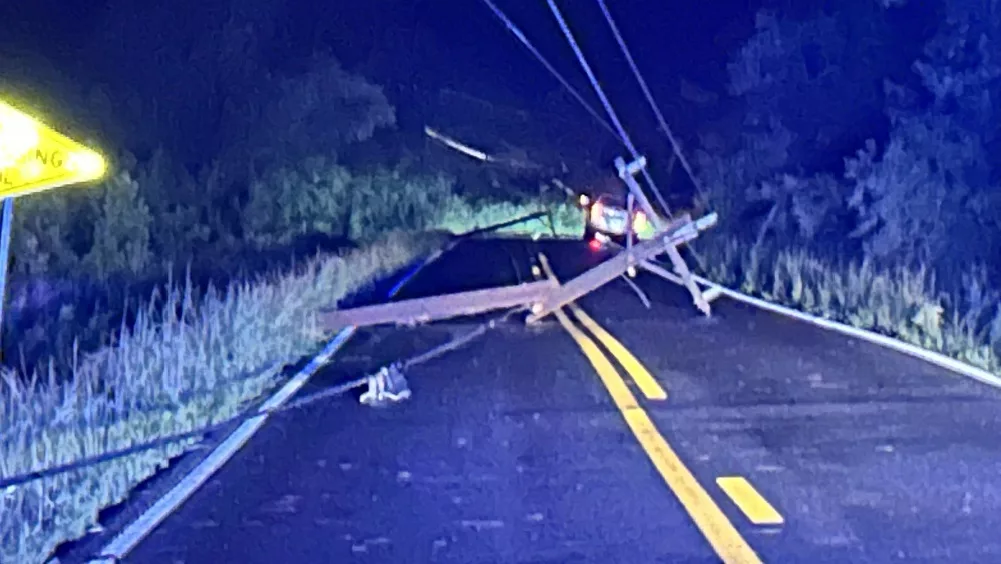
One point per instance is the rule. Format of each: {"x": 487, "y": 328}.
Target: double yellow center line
{"x": 729, "y": 545}
{"x": 645, "y": 381}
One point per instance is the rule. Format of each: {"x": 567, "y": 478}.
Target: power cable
{"x": 528, "y": 44}
{"x": 604, "y": 99}
{"x": 675, "y": 145}
{"x": 9, "y": 484}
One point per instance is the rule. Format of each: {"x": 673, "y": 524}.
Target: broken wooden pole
{"x": 662, "y": 272}
{"x": 422, "y": 310}
{"x": 609, "y": 270}
{"x": 677, "y": 232}
{"x": 627, "y": 174}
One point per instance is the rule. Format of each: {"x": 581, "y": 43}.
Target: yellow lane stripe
{"x": 710, "y": 519}
{"x": 647, "y": 384}
{"x": 644, "y": 380}
{"x": 752, "y": 503}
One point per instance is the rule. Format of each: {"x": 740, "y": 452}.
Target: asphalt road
{"x": 527, "y": 446}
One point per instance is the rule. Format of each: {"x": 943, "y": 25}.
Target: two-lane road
{"x": 613, "y": 433}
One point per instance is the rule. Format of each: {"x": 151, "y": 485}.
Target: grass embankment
{"x": 193, "y": 366}
{"x": 906, "y": 304}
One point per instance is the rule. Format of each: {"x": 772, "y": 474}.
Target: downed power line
{"x": 383, "y": 380}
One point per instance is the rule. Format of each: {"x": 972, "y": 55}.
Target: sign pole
{"x": 6, "y": 224}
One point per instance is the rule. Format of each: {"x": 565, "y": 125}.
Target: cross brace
{"x": 627, "y": 173}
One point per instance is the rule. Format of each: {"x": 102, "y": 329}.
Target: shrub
{"x": 565, "y": 220}
{"x": 122, "y": 232}
{"x": 288, "y": 202}
{"x": 391, "y": 198}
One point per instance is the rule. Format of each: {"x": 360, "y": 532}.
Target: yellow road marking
{"x": 647, "y": 384}
{"x": 752, "y": 503}
{"x": 710, "y": 519}
{"x": 644, "y": 380}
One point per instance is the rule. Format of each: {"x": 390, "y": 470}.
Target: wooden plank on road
{"x": 421, "y": 310}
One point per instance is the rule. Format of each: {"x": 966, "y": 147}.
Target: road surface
{"x": 746, "y": 438}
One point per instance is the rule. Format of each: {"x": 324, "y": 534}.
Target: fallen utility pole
{"x": 434, "y": 308}
{"x": 541, "y": 297}
{"x": 627, "y": 172}
{"x": 676, "y": 233}
{"x": 544, "y": 297}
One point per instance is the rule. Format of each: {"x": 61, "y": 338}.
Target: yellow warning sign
{"x": 34, "y": 157}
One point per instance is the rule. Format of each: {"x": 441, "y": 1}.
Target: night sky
{"x": 462, "y": 45}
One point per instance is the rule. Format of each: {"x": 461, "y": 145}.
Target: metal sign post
{"x": 6, "y": 224}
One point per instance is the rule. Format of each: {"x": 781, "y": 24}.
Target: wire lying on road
{"x": 9, "y": 484}
{"x": 374, "y": 381}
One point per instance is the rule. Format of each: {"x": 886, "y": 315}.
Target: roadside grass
{"x": 181, "y": 366}
{"x": 566, "y": 219}
{"x": 906, "y": 304}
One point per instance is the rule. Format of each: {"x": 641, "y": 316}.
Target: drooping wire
{"x": 604, "y": 99}
{"x": 649, "y": 97}
{"x": 528, "y": 44}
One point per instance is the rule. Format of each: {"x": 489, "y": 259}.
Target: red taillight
{"x": 594, "y": 244}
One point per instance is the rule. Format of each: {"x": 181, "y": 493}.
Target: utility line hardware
{"x": 386, "y": 386}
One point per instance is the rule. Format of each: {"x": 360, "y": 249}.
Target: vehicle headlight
{"x": 640, "y": 223}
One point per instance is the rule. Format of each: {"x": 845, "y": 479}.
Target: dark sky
{"x": 669, "y": 39}
{"x": 461, "y": 45}
{"x": 478, "y": 55}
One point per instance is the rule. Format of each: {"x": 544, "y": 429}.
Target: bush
{"x": 564, "y": 220}
{"x": 122, "y": 231}
{"x": 288, "y": 202}
{"x": 391, "y": 197}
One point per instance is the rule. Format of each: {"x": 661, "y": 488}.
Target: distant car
{"x": 607, "y": 220}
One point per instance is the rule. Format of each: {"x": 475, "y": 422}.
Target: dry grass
{"x": 903, "y": 303}
{"x": 192, "y": 366}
